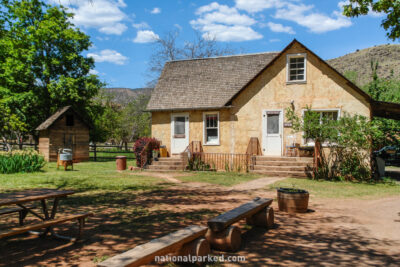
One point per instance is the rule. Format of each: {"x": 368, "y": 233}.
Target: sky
{"x": 124, "y": 32}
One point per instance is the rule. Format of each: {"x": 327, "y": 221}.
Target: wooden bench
{"x": 222, "y": 235}
{"x": 188, "y": 241}
{"x": 22, "y": 213}
{"x": 48, "y": 223}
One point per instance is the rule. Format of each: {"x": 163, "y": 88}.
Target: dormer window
{"x": 296, "y": 68}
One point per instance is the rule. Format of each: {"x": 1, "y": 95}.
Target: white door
{"x": 179, "y": 132}
{"x": 272, "y": 132}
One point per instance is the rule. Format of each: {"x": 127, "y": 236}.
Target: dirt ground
{"x": 350, "y": 232}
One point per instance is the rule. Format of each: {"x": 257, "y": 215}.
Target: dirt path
{"x": 345, "y": 232}
{"x": 256, "y": 184}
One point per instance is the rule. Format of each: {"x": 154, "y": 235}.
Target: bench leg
{"x": 264, "y": 218}
{"x": 22, "y": 215}
{"x": 226, "y": 240}
{"x": 81, "y": 225}
{"x": 197, "y": 247}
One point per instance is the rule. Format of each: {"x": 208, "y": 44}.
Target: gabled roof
{"x": 53, "y": 118}
{"x": 205, "y": 83}
{"x": 213, "y": 82}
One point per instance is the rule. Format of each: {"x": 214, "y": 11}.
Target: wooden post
{"x": 264, "y": 218}
{"x": 95, "y": 154}
{"x": 228, "y": 239}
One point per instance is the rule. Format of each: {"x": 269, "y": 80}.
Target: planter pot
{"x": 293, "y": 200}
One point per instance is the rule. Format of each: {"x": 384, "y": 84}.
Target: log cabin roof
{"x": 53, "y": 118}
{"x": 205, "y": 83}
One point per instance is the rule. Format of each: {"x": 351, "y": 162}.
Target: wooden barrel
{"x": 264, "y": 218}
{"x": 293, "y": 200}
{"x": 226, "y": 240}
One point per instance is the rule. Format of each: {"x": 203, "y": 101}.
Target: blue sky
{"x": 123, "y": 31}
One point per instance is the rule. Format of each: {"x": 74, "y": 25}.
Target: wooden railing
{"x": 144, "y": 156}
{"x": 225, "y": 161}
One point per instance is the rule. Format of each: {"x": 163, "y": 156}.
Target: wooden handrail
{"x": 143, "y": 156}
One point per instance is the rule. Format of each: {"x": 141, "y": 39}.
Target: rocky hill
{"x": 388, "y": 57}
{"x": 126, "y": 95}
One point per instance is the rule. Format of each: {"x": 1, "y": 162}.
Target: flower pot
{"x": 293, "y": 200}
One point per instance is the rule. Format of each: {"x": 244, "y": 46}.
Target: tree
{"x": 390, "y": 7}
{"x": 350, "y": 139}
{"x": 168, "y": 49}
{"x": 42, "y": 67}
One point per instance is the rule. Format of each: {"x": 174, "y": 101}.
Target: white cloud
{"x": 94, "y": 72}
{"x": 224, "y": 23}
{"x": 253, "y": 6}
{"x": 156, "y": 10}
{"x": 110, "y": 56}
{"x": 315, "y": 22}
{"x": 146, "y": 37}
{"x": 274, "y": 40}
{"x": 276, "y": 27}
{"x": 141, "y": 25}
{"x": 104, "y": 15}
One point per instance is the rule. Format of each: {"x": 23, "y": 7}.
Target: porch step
{"x": 281, "y": 168}
{"x": 283, "y": 163}
{"x": 297, "y": 167}
{"x": 164, "y": 167}
{"x": 284, "y": 159}
{"x": 289, "y": 174}
{"x": 160, "y": 163}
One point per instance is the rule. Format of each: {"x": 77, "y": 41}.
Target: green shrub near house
{"x": 21, "y": 161}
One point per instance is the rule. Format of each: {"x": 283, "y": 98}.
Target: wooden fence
{"x": 15, "y": 146}
{"x": 225, "y": 161}
{"x": 109, "y": 152}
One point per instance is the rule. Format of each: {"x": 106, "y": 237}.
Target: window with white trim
{"x": 211, "y": 128}
{"x": 324, "y": 116}
{"x": 296, "y": 68}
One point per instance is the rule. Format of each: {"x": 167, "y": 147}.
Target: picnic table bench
{"x": 187, "y": 241}
{"x": 19, "y": 199}
{"x": 222, "y": 235}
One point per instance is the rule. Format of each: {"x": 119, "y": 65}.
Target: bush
{"x": 21, "y": 161}
{"x": 139, "y": 146}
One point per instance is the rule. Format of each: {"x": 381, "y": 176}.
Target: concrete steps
{"x": 166, "y": 164}
{"x": 298, "y": 167}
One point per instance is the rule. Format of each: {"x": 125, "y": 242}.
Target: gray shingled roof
{"x": 205, "y": 83}
{"x": 47, "y": 123}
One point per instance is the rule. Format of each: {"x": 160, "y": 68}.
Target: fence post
{"x": 95, "y": 154}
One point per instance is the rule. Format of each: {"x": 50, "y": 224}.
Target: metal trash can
{"x": 163, "y": 152}
{"x": 121, "y": 163}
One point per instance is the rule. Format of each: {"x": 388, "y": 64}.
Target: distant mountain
{"x": 126, "y": 95}
{"x": 388, "y": 57}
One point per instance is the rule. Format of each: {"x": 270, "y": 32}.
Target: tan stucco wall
{"x": 161, "y": 129}
{"x": 324, "y": 89}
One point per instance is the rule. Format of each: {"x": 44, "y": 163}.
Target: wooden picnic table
{"x": 21, "y": 199}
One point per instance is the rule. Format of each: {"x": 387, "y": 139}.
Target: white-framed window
{"x": 296, "y": 67}
{"x": 211, "y": 128}
{"x": 324, "y": 114}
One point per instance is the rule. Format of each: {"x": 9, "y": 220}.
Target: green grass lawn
{"x": 85, "y": 176}
{"x": 111, "y": 156}
{"x": 326, "y": 189}
{"x": 220, "y": 178}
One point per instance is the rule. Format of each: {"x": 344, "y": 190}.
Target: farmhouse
{"x": 224, "y": 101}
{"x": 64, "y": 129}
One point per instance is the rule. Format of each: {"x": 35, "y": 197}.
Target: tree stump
{"x": 264, "y": 218}
{"x": 226, "y": 240}
{"x": 197, "y": 247}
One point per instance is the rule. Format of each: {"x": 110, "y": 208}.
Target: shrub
{"x": 140, "y": 145}
{"x": 195, "y": 163}
{"x": 21, "y": 161}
